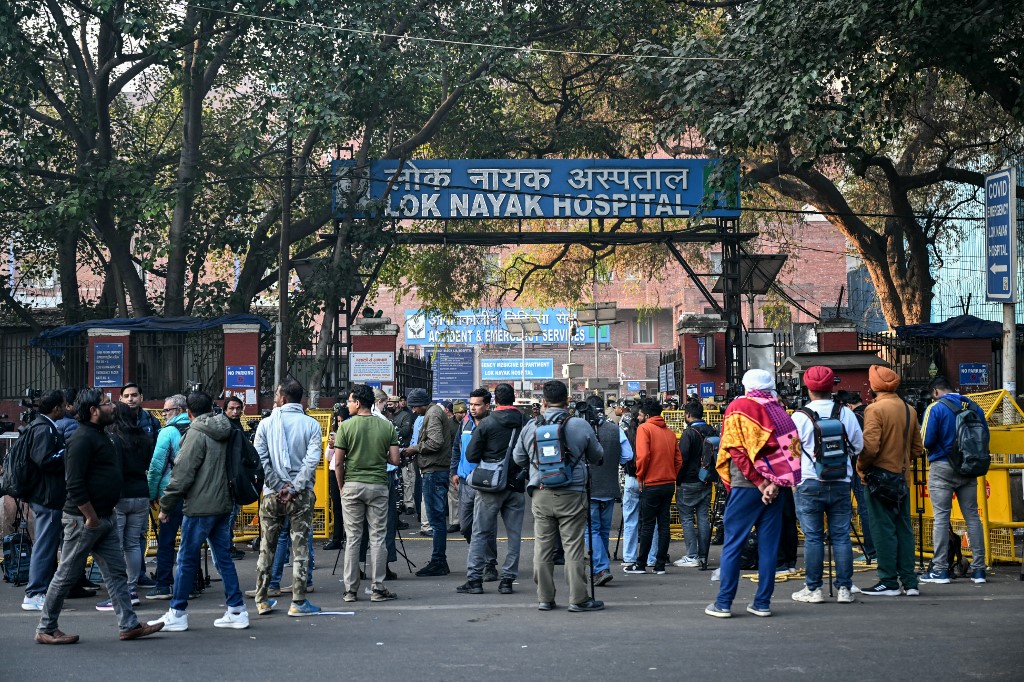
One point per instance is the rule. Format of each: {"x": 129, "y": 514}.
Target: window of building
{"x": 643, "y": 330}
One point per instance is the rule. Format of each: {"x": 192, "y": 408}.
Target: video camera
{"x": 791, "y": 394}
{"x": 586, "y": 411}
{"x": 31, "y": 410}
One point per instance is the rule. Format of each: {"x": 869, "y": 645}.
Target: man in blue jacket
{"x": 168, "y": 442}
{"x": 938, "y": 432}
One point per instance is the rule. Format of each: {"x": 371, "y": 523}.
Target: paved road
{"x": 653, "y": 628}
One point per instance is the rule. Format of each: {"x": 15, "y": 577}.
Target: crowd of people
{"x": 105, "y": 469}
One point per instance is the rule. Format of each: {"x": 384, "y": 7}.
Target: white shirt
{"x": 805, "y": 428}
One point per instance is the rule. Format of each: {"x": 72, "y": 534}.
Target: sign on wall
{"x": 487, "y": 326}
{"x": 240, "y": 376}
{"x": 453, "y": 373}
{"x": 502, "y": 369}
{"x": 366, "y": 366}
{"x": 108, "y": 365}
{"x": 974, "y": 374}
{"x": 532, "y": 188}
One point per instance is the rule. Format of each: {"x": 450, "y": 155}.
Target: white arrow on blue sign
{"x": 1001, "y": 236}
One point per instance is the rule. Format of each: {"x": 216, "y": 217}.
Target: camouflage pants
{"x": 272, "y": 518}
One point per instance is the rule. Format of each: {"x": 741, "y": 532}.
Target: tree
{"x": 860, "y": 111}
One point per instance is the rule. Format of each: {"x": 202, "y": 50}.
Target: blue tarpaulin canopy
{"x": 960, "y": 327}
{"x": 53, "y": 341}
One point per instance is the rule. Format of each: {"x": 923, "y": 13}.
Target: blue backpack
{"x": 553, "y": 456}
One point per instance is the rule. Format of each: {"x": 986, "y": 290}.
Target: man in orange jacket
{"x": 657, "y": 462}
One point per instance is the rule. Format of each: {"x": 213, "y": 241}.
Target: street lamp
{"x": 595, "y": 315}
{"x": 521, "y": 328}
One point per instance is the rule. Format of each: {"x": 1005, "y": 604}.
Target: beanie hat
{"x": 819, "y": 379}
{"x": 418, "y": 397}
{"x": 883, "y": 379}
{"x": 758, "y": 380}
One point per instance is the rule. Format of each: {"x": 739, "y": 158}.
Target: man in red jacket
{"x": 657, "y": 462}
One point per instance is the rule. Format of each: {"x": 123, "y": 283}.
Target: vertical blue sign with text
{"x": 1001, "y": 236}
{"x": 108, "y": 365}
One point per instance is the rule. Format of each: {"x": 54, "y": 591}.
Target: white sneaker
{"x": 854, "y": 589}
{"x": 33, "y": 603}
{"x": 809, "y": 596}
{"x": 235, "y": 621}
{"x": 172, "y": 622}
{"x": 715, "y": 575}
{"x": 845, "y": 596}
{"x": 687, "y": 562}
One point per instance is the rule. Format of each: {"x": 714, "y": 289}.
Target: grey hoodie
{"x": 200, "y": 473}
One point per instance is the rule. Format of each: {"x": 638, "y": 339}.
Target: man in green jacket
{"x": 200, "y": 480}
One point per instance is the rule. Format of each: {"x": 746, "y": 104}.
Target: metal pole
{"x": 280, "y": 347}
{"x": 597, "y": 330}
{"x": 523, "y": 366}
{"x": 1009, "y": 359}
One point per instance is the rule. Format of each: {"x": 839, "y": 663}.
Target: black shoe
{"x": 429, "y": 533}
{"x": 454, "y": 528}
{"x": 589, "y": 605}
{"x": 237, "y": 554}
{"x": 362, "y": 574}
{"x": 636, "y": 569}
{"x": 332, "y": 546}
{"x": 389, "y": 574}
{"x": 402, "y": 525}
{"x": 433, "y": 570}
{"x": 490, "y": 574}
{"x": 659, "y": 569}
{"x": 470, "y": 587}
{"x": 546, "y": 606}
{"x": 146, "y": 581}
{"x": 78, "y": 592}
{"x": 505, "y": 586}
{"x": 560, "y": 559}
{"x": 87, "y": 584}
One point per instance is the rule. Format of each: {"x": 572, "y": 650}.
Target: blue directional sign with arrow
{"x": 1001, "y": 236}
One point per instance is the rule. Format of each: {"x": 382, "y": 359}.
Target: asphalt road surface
{"x": 653, "y": 627}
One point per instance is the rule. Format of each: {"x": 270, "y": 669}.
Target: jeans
{"x": 894, "y": 543}
{"x": 694, "y": 499}
{"x": 283, "y": 552}
{"x": 815, "y": 501}
{"x": 132, "y": 513}
{"x": 601, "y": 513}
{"x": 559, "y": 513}
{"x": 165, "y": 548}
{"x": 631, "y": 523}
{"x": 105, "y": 546}
{"x": 744, "y": 510}
{"x": 483, "y": 550}
{"x": 216, "y": 530}
{"x": 435, "y": 499}
{"x": 862, "y": 513}
{"x": 364, "y": 502}
{"x": 338, "y": 531}
{"x": 43, "y": 563}
{"x": 655, "y": 511}
{"x": 943, "y": 482}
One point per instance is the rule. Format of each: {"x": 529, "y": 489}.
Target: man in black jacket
{"x": 693, "y": 496}
{"x": 604, "y": 483}
{"x": 493, "y": 440}
{"x": 46, "y": 450}
{"x": 93, "y": 477}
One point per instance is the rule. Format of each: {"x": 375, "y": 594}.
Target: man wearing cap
{"x": 891, "y": 438}
{"x": 818, "y": 500}
{"x": 433, "y": 452}
{"x": 759, "y": 453}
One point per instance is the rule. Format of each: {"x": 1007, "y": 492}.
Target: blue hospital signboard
{"x": 534, "y": 188}
{"x": 1001, "y": 236}
{"x": 501, "y": 369}
{"x": 108, "y": 365}
{"x": 453, "y": 373}
{"x": 487, "y": 326}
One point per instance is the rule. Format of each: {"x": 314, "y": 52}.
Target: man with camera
{"x": 493, "y": 441}
{"x": 560, "y": 510}
{"x": 604, "y": 484}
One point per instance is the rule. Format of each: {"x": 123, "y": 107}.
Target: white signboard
{"x": 371, "y": 366}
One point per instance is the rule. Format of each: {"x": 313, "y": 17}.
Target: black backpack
{"x": 969, "y": 455}
{"x": 245, "y": 472}
{"x": 706, "y": 470}
{"x": 832, "y": 450}
{"x": 19, "y": 475}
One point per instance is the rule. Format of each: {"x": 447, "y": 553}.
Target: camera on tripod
{"x": 585, "y": 410}
{"x": 31, "y": 410}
